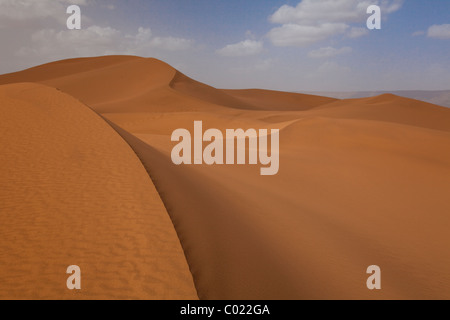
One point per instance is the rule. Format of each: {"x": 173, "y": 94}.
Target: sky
{"x": 307, "y": 45}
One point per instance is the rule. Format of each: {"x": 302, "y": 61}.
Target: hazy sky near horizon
{"x": 308, "y": 45}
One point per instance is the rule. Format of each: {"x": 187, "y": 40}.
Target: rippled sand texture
{"x": 72, "y": 192}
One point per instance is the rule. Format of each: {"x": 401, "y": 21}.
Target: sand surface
{"x": 73, "y": 192}
{"x": 361, "y": 182}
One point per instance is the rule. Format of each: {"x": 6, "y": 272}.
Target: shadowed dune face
{"x": 361, "y": 182}
{"x": 74, "y": 193}
{"x": 339, "y": 204}
{"x": 279, "y": 101}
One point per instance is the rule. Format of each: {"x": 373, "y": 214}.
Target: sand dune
{"x": 361, "y": 182}
{"x": 441, "y": 97}
{"x": 309, "y": 231}
{"x": 134, "y": 84}
{"x": 280, "y": 101}
{"x": 74, "y": 193}
{"x": 389, "y": 108}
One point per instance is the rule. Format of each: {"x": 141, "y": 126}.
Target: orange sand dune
{"x": 339, "y": 204}
{"x": 280, "y": 101}
{"x": 115, "y": 87}
{"x": 389, "y": 108}
{"x": 361, "y": 182}
{"x": 74, "y": 193}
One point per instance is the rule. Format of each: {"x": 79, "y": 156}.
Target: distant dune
{"x": 361, "y": 182}
{"x": 441, "y": 98}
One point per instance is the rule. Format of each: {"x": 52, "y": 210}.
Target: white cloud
{"x": 301, "y": 35}
{"x": 312, "y": 21}
{"x": 330, "y": 11}
{"x": 171, "y": 43}
{"x": 391, "y": 6}
{"x": 145, "y": 39}
{"x": 439, "y": 31}
{"x": 36, "y": 33}
{"x": 243, "y": 48}
{"x": 332, "y": 68}
{"x": 97, "y": 40}
{"x": 418, "y": 33}
{"x": 250, "y": 35}
{"x": 263, "y": 65}
{"x": 26, "y": 10}
{"x": 260, "y": 65}
{"x": 329, "y": 52}
{"x": 356, "y": 32}
{"x": 326, "y": 11}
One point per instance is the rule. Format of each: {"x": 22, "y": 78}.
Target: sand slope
{"x": 389, "y": 108}
{"x": 280, "y": 101}
{"x": 361, "y": 182}
{"x": 72, "y": 192}
{"x": 346, "y": 197}
{"x": 441, "y": 97}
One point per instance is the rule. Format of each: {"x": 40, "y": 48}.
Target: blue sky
{"x": 308, "y": 45}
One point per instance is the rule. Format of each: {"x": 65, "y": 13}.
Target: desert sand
{"x": 440, "y": 97}
{"x": 87, "y": 176}
{"x": 74, "y": 193}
